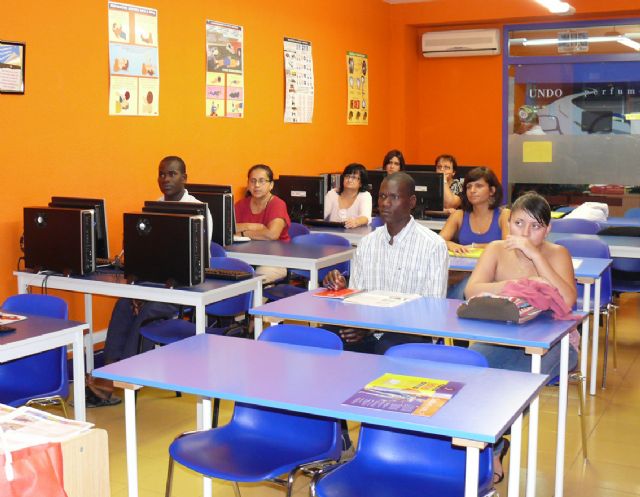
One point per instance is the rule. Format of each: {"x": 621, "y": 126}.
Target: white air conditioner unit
{"x": 461, "y": 43}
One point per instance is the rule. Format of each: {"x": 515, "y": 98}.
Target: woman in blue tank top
{"x": 481, "y": 219}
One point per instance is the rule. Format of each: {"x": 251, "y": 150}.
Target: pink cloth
{"x": 540, "y": 295}
{"x": 276, "y": 208}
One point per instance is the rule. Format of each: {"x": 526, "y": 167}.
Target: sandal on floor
{"x": 498, "y": 477}
{"x": 95, "y": 400}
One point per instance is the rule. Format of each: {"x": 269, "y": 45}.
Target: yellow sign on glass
{"x": 537, "y": 151}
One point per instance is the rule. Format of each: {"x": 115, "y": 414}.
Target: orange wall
{"x": 59, "y": 139}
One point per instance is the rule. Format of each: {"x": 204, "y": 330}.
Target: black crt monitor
{"x": 193, "y": 188}
{"x": 429, "y": 192}
{"x": 100, "y": 231}
{"x": 461, "y": 171}
{"x": 193, "y": 208}
{"x": 375, "y": 180}
{"x": 304, "y": 196}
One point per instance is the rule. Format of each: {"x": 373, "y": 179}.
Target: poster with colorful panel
{"x": 225, "y": 70}
{"x": 299, "y": 83}
{"x": 357, "y": 89}
{"x": 134, "y": 82}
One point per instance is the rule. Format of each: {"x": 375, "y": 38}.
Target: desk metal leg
{"x": 22, "y": 284}
{"x": 201, "y": 319}
{"x": 79, "y": 408}
{"x": 562, "y": 414}
{"x": 131, "y": 439}
{"x": 205, "y": 405}
{"x": 514, "y": 461}
{"x": 472, "y": 473}
{"x": 257, "y": 301}
{"x": 532, "y": 464}
{"x": 88, "y": 318}
{"x": 584, "y": 344}
{"x": 313, "y": 279}
{"x": 594, "y": 338}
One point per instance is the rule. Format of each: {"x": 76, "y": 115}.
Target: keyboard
{"x": 326, "y": 224}
{"x": 227, "y": 274}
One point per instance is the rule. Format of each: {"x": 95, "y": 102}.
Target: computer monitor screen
{"x": 429, "y": 192}
{"x": 100, "y": 219}
{"x": 304, "y": 196}
{"x": 375, "y": 180}
{"x": 204, "y": 188}
{"x": 193, "y": 208}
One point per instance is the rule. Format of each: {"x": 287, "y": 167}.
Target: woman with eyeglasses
{"x": 447, "y": 165}
{"x": 263, "y": 216}
{"x": 351, "y": 203}
{"x": 393, "y": 161}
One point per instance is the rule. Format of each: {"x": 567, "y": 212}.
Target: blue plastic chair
{"x": 376, "y": 222}
{"x": 282, "y": 291}
{"x": 217, "y": 250}
{"x": 633, "y": 212}
{"x": 168, "y": 331}
{"x": 261, "y": 443}
{"x": 582, "y": 226}
{"x": 297, "y": 229}
{"x": 390, "y": 461}
{"x": 41, "y": 378}
{"x": 598, "y": 249}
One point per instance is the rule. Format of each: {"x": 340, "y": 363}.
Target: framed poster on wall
{"x": 12, "y": 67}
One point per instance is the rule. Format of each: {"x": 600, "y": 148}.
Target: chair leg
{"x": 216, "y": 413}
{"x": 236, "y": 489}
{"x": 606, "y": 349}
{"x": 167, "y": 492}
{"x": 614, "y": 310}
{"x": 583, "y": 425}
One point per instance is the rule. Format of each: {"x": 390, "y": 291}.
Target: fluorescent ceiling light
{"x": 628, "y": 42}
{"x": 624, "y": 40}
{"x": 557, "y": 6}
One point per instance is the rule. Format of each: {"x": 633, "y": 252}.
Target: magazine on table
{"x": 25, "y": 427}
{"x": 407, "y": 394}
{"x": 379, "y": 298}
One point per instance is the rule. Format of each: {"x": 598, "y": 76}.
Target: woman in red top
{"x": 262, "y": 215}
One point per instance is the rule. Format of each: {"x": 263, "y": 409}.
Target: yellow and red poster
{"x": 134, "y": 83}
{"x": 357, "y": 89}
{"x": 225, "y": 70}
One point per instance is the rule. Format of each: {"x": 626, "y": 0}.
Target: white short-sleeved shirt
{"x": 417, "y": 262}
{"x": 360, "y": 207}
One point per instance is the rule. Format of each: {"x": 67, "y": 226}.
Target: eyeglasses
{"x": 444, "y": 167}
{"x": 354, "y": 177}
{"x": 258, "y": 181}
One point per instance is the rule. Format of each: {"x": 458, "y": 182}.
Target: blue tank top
{"x": 467, "y": 237}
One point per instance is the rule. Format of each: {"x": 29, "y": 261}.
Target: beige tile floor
{"x": 613, "y": 423}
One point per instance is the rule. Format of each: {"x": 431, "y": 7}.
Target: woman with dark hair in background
{"x": 350, "y": 204}
{"x": 263, "y": 216}
{"x": 447, "y": 165}
{"x": 393, "y": 161}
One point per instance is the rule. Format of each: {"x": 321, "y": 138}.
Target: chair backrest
{"x": 40, "y": 375}
{"x": 310, "y": 431}
{"x": 217, "y": 250}
{"x": 582, "y": 226}
{"x": 297, "y": 229}
{"x": 633, "y": 212}
{"x": 323, "y": 239}
{"x": 421, "y": 453}
{"x": 439, "y": 353}
{"x": 376, "y": 222}
{"x": 591, "y": 248}
{"x": 233, "y": 305}
{"x": 302, "y": 335}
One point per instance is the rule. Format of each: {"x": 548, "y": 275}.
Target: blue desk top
{"x": 621, "y": 221}
{"x": 588, "y": 268}
{"x": 35, "y": 326}
{"x": 424, "y": 316}
{"x": 620, "y": 246}
{"x": 317, "y": 381}
{"x": 284, "y": 249}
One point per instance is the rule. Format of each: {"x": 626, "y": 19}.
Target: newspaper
{"x": 25, "y": 427}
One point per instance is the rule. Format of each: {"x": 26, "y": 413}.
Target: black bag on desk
{"x": 498, "y": 308}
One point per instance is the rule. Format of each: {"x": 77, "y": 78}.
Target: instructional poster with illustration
{"x": 298, "y": 77}
{"x": 225, "y": 70}
{"x": 134, "y": 83}
{"x": 357, "y": 89}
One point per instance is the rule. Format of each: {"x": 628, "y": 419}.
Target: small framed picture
{"x": 12, "y": 67}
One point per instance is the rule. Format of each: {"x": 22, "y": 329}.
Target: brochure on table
{"x": 407, "y": 394}
{"x": 379, "y": 298}
{"x": 6, "y": 318}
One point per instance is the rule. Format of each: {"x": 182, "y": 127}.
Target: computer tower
{"x": 164, "y": 248}
{"x": 222, "y": 214}
{"x": 59, "y": 240}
